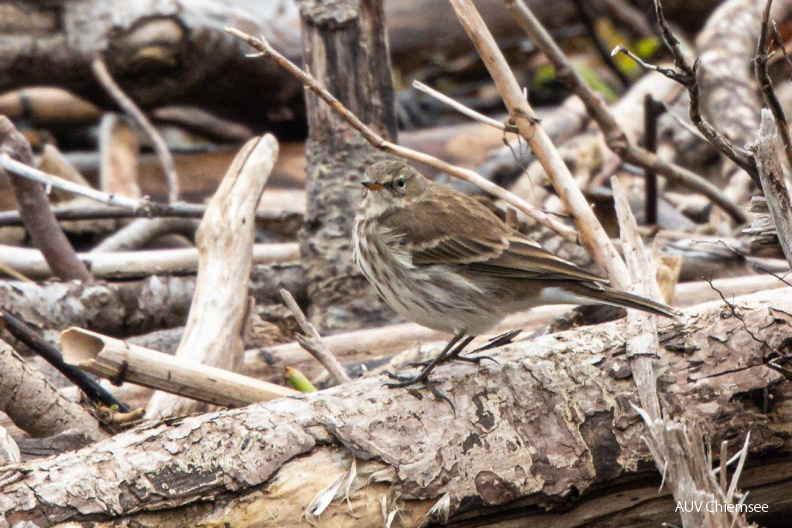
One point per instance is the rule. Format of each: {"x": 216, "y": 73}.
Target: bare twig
{"x": 49, "y": 181}
{"x": 592, "y": 235}
{"x": 652, "y": 110}
{"x": 312, "y": 342}
{"x": 615, "y": 136}
{"x": 459, "y": 107}
{"x": 34, "y": 207}
{"x": 264, "y": 49}
{"x": 686, "y": 75}
{"x": 36, "y": 343}
{"x": 128, "y": 105}
{"x": 766, "y": 84}
{"x": 119, "y": 361}
{"x": 642, "y": 344}
{"x": 144, "y": 210}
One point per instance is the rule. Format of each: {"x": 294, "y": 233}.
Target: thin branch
{"x": 264, "y": 49}
{"x": 312, "y": 341}
{"x": 689, "y": 79}
{"x": 49, "y": 181}
{"x": 52, "y": 355}
{"x": 615, "y": 136}
{"x": 144, "y": 210}
{"x": 128, "y": 105}
{"x": 592, "y": 235}
{"x": 34, "y": 208}
{"x": 766, "y": 84}
{"x": 459, "y": 107}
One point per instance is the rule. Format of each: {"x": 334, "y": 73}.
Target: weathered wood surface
{"x": 550, "y": 422}
{"x": 344, "y": 47}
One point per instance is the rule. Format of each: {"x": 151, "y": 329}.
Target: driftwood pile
{"x": 176, "y": 283}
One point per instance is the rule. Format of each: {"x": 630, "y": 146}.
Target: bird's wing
{"x": 452, "y": 229}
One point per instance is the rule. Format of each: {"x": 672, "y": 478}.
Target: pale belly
{"x": 431, "y": 296}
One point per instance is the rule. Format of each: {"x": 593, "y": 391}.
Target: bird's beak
{"x": 371, "y": 185}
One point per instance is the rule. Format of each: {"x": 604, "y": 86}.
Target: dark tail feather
{"x": 628, "y": 300}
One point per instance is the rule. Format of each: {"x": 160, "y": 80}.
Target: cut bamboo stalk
{"x": 116, "y": 360}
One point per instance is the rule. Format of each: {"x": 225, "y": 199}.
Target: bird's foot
{"x": 497, "y": 341}
{"x": 422, "y": 377}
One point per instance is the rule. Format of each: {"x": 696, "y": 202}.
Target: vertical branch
{"x": 773, "y": 183}
{"x": 642, "y": 343}
{"x": 766, "y": 84}
{"x": 219, "y": 311}
{"x": 34, "y": 208}
{"x": 652, "y": 110}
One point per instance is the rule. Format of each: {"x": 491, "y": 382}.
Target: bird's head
{"x": 392, "y": 184}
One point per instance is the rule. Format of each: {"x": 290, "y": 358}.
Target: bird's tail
{"x": 629, "y": 300}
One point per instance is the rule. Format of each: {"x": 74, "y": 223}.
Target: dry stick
{"x": 642, "y": 344}
{"x": 687, "y": 77}
{"x": 615, "y": 136}
{"x": 459, "y": 107}
{"x": 592, "y": 235}
{"x": 155, "y": 210}
{"x": 220, "y": 309}
{"x": 773, "y": 183}
{"x": 312, "y": 342}
{"x": 37, "y": 344}
{"x": 766, "y": 84}
{"x": 119, "y": 361}
{"x": 141, "y": 263}
{"x": 652, "y": 110}
{"x": 34, "y": 208}
{"x": 23, "y": 170}
{"x": 129, "y": 106}
{"x": 266, "y": 50}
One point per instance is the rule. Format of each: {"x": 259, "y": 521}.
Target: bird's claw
{"x": 423, "y": 377}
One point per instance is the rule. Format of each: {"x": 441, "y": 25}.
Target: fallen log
{"x": 130, "y": 307}
{"x": 533, "y": 434}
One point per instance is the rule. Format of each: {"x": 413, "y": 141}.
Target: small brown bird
{"x": 443, "y": 260}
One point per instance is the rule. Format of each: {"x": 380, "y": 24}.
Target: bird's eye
{"x": 400, "y": 182}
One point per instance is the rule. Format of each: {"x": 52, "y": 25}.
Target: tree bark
{"x": 34, "y": 405}
{"x": 123, "y": 309}
{"x": 345, "y": 48}
{"x": 542, "y": 429}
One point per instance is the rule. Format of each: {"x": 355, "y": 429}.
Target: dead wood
{"x": 118, "y": 150}
{"x": 130, "y": 307}
{"x": 773, "y": 182}
{"x": 53, "y": 161}
{"x": 559, "y": 420}
{"x": 180, "y": 379}
{"x": 342, "y": 41}
{"x": 135, "y": 264}
{"x": 35, "y": 210}
{"x": 159, "y": 53}
{"x": 36, "y": 406}
{"x": 220, "y": 308}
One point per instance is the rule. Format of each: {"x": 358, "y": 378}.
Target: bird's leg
{"x": 497, "y": 341}
{"x": 449, "y": 350}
